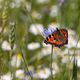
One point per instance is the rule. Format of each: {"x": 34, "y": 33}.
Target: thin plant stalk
{"x": 10, "y": 62}
{"x": 14, "y": 78}
{"x": 74, "y": 74}
{"x": 68, "y": 63}
{"x": 26, "y": 65}
{"x": 51, "y": 63}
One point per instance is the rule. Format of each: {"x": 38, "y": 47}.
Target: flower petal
{"x": 50, "y": 29}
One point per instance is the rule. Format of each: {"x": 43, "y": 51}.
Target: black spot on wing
{"x": 52, "y": 34}
{"x": 49, "y": 36}
{"x": 45, "y": 41}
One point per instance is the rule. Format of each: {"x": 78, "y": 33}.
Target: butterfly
{"x": 58, "y": 38}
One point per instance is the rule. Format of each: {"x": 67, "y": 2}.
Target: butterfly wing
{"x": 58, "y": 38}
{"x": 64, "y": 32}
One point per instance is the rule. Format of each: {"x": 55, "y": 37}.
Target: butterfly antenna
{"x": 57, "y": 29}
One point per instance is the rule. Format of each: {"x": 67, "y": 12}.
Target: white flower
{"x": 64, "y": 52}
{"x": 44, "y": 45}
{"x": 16, "y": 60}
{"x": 42, "y": 1}
{"x": 67, "y": 52}
{"x": 28, "y": 6}
{"x": 36, "y": 28}
{"x": 44, "y": 52}
{"x": 33, "y": 46}
{"x": 55, "y": 68}
{"x": 65, "y": 59}
{"x": 72, "y": 42}
{"x": 47, "y": 51}
{"x": 54, "y": 25}
{"x": 6, "y": 46}
{"x": 12, "y": 5}
{"x": 54, "y": 11}
{"x": 71, "y": 32}
{"x": 15, "y": 4}
{"x": 20, "y": 74}
{"x": 72, "y": 39}
{"x": 78, "y": 61}
{"x": 12, "y": 23}
{"x": 43, "y": 73}
{"x": 18, "y": 3}
{"x": 78, "y": 45}
{"x": 36, "y": 15}
{"x": 6, "y": 77}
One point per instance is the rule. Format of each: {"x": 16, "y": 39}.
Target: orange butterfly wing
{"x": 58, "y": 38}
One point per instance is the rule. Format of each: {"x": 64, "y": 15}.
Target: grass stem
{"x": 51, "y": 62}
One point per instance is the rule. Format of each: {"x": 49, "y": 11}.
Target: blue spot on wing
{"x": 48, "y": 32}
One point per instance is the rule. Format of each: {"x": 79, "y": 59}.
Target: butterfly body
{"x": 57, "y": 38}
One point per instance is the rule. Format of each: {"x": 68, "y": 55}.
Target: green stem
{"x": 10, "y": 62}
{"x": 26, "y": 65}
{"x": 51, "y": 62}
{"x": 74, "y": 76}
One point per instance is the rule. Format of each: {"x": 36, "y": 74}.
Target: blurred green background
{"x": 22, "y": 42}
